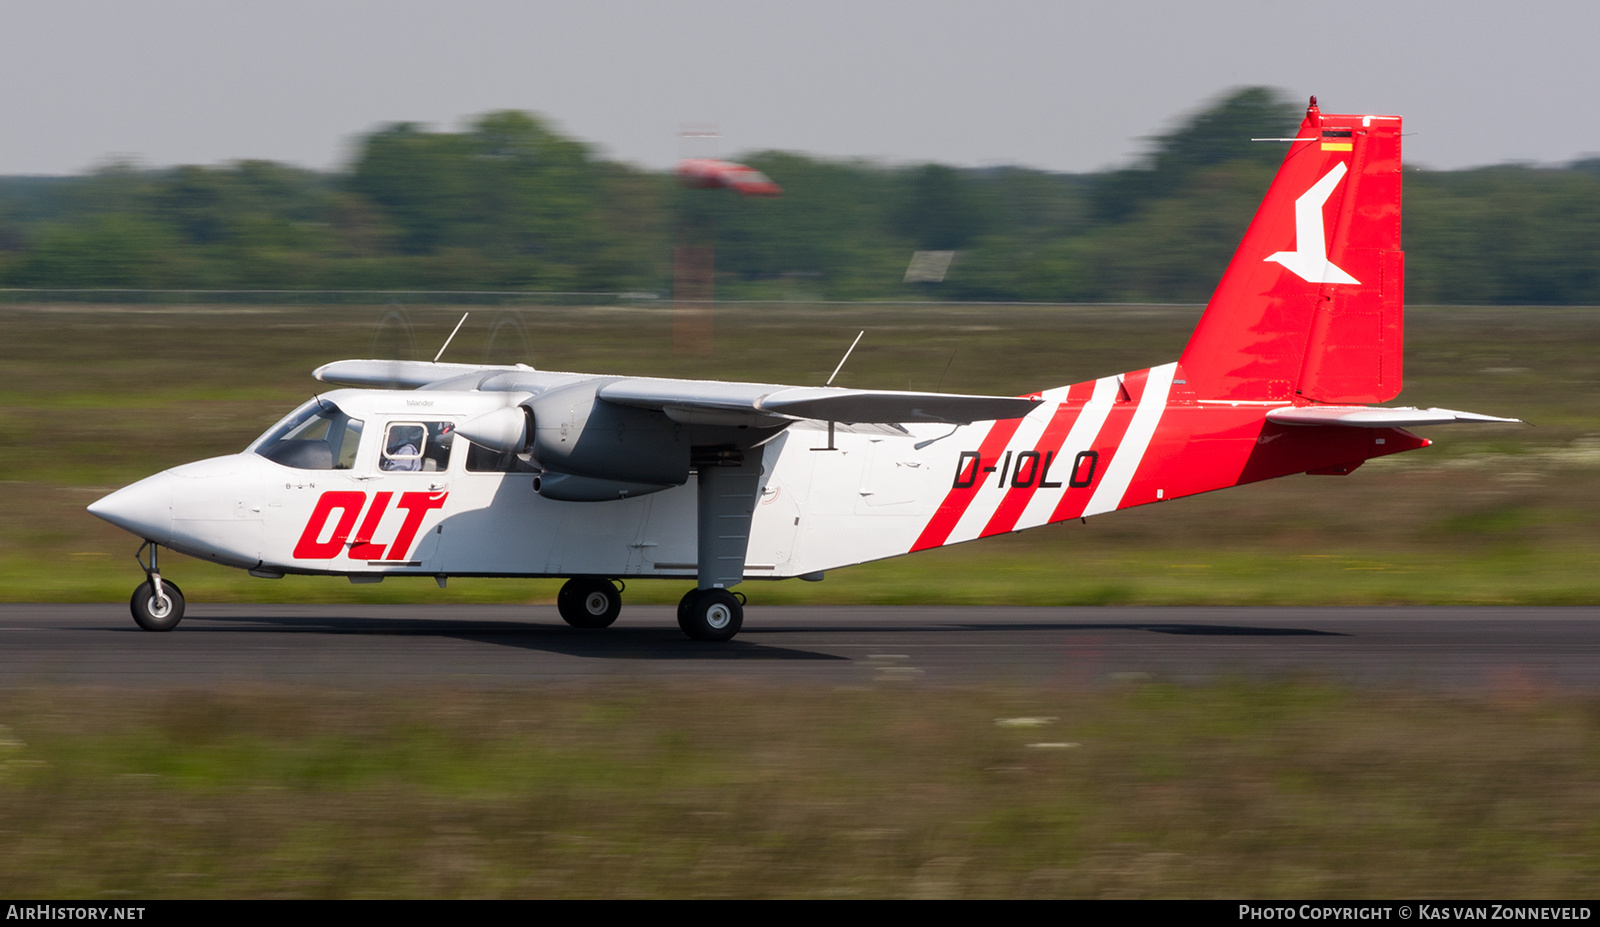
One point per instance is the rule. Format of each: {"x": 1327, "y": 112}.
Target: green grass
{"x": 1234, "y": 790}
{"x": 98, "y": 397}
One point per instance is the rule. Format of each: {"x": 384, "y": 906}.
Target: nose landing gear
{"x": 157, "y": 604}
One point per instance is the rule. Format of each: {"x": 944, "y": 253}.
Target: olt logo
{"x": 349, "y": 505}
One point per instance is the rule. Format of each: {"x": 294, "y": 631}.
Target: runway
{"x": 379, "y": 646}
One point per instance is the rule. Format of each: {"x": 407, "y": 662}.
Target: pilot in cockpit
{"x": 402, "y": 449}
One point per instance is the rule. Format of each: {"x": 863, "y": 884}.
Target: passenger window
{"x": 481, "y": 459}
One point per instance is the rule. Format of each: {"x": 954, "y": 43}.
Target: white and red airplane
{"x": 463, "y": 470}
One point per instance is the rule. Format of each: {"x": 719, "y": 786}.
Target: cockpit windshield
{"x": 316, "y": 436}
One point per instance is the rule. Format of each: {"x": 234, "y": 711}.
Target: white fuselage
{"x": 866, "y": 498}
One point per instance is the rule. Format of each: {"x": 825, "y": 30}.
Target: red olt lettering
{"x": 313, "y": 546}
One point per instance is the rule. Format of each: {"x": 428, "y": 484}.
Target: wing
{"x": 821, "y": 403}
{"x": 1375, "y": 417}
{"x": 696, "y": 400}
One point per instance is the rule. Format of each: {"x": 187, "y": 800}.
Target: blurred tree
{"x": 414, "y": 177}
{"x": 508, "y": 202}
{"x": 939, "y": 209}
{"x": 1510, "y": 234}
{"x": 1218, "y": 134}
{"x": 820, "y": 235}
{"x": 106, "y": 251}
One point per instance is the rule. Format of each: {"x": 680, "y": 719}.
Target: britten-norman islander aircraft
{"x": 443, "y": 469}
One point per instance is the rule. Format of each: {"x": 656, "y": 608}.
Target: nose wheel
{"x": 711, "y": 614}
{"x": 157, "y": 604}
{"x": 586, "y": 602}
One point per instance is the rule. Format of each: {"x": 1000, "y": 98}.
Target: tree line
{"x": 510, "y": 204}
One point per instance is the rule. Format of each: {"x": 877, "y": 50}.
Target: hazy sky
{"x": 1056, "y": 85}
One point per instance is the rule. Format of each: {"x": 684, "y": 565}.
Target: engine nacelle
{"x": 503, "y": 430}
{"x": 578, "y": 434}
{"x": 568, "y": 488}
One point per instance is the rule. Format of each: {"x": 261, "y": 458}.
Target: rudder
{"x": 1310, "y": 308}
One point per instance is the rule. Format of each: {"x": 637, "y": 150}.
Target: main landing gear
{"x": 157, "y": 604}
{"x": 703, "y": 614}
{"x": 588, "y": 602}
{"x": 711, "y": 614}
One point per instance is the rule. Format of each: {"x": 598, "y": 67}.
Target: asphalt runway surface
{"x": 376, "y": 646}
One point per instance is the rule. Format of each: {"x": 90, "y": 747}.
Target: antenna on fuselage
{"x": 946, "y": 370}
{"x": 922, "y": 444}
{"x": 835, "y": 373}
{"x": 845, "y": 357}
{"x": 451, "y": 338}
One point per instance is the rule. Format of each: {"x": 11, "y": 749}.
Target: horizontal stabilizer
{"x": 1375, "y": 417}
{"x": 821, "y": 403}
{"x": 397, "y": 374}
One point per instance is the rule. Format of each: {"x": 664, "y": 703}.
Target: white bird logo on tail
{"x": 1309, "y": 261}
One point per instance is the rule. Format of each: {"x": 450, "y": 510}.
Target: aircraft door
{"x": 406, "y": 483}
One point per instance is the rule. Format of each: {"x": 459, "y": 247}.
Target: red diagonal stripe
{"x": 956, "y": 501}
{"x": 1073, "y": 501}
{"x": 1015, "y": 501}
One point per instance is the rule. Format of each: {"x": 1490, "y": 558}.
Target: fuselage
{"x": 372, "y": 483}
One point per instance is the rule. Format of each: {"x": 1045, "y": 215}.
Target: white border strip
{"x": 1130, "y": 453}
{"x": 1079, "y": 438}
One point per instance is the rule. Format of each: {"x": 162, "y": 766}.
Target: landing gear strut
{"x": 711, "y": 614}
{"x": 588, "y": 602}
{"x": 157, "y": 604}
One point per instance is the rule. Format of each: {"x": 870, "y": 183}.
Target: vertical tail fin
{"x": 1310, "y": 308}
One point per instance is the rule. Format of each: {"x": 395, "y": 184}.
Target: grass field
{"x": 1280, "y": 790}
{"x": 97, "y": 397}
{"x": 630, "y": 789}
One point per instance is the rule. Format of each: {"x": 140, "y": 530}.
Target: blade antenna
{"x": 845, "y": 357}
{"x": 946, "y": 370}
{"x": 452, "y": 337}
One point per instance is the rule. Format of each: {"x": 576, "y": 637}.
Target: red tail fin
{"x": 1310, "y": 307}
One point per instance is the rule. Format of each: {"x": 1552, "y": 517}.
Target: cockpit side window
{"x": 413, "y": 446}
{"x": 403, "y": 444}
{"x": 316, "y": 436}
{"x": 345, "y": 459}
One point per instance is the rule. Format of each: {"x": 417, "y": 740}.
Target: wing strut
{"x": 726, "y": 500}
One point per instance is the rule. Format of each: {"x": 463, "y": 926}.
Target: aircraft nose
{"x": 144, "y": 509}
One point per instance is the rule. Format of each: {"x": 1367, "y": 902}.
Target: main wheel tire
{"x": 710, "y": 614}
{"x": 683, "y": 609}
{"x": 155, "y": 614}
{"x": 585, "y": 602}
